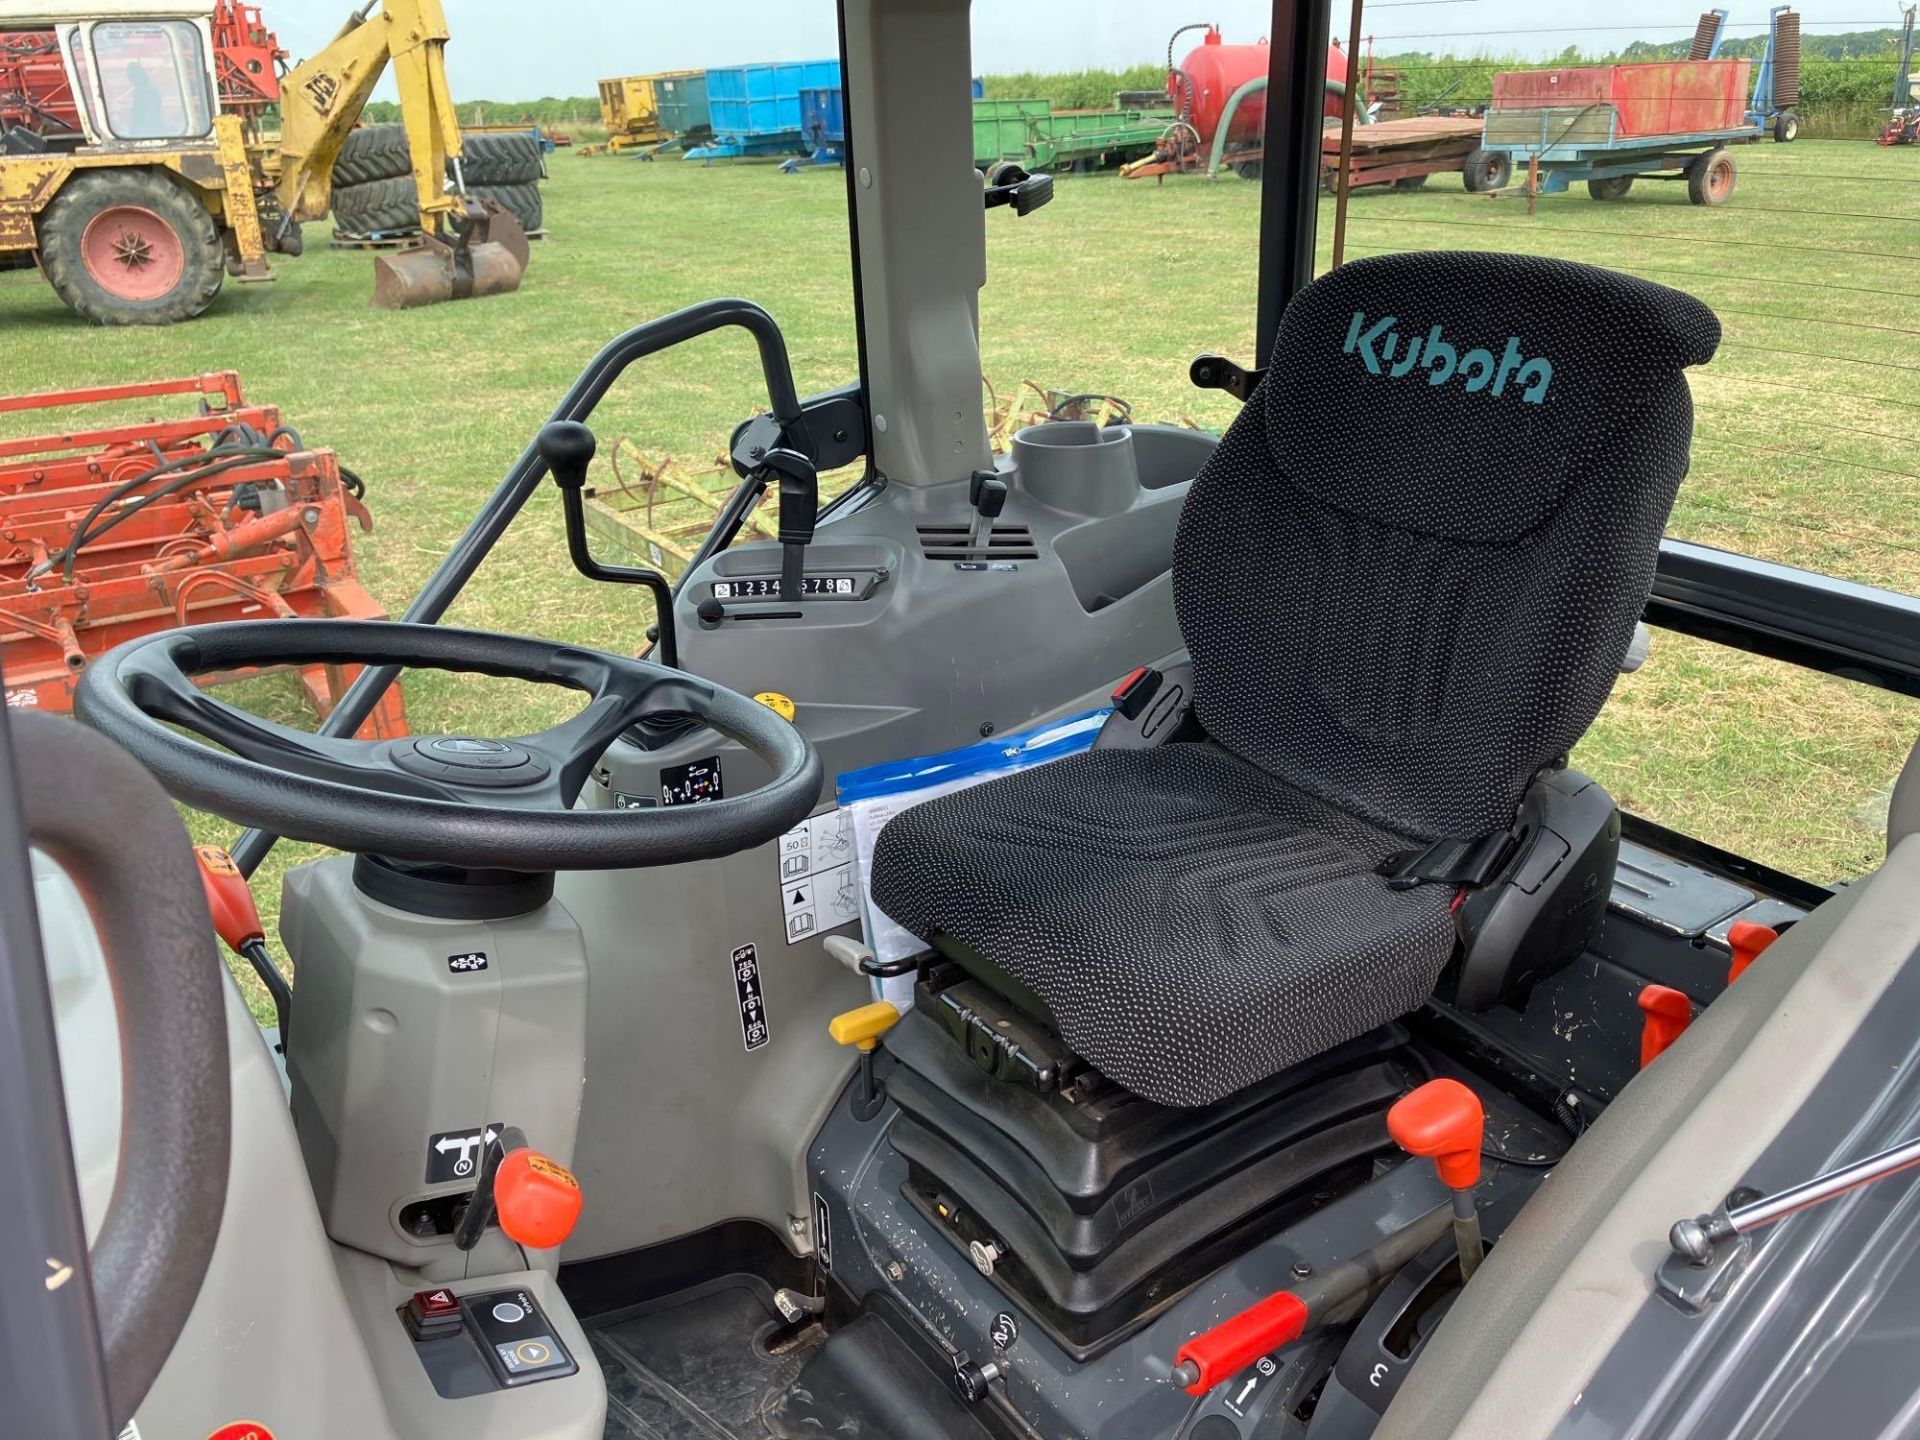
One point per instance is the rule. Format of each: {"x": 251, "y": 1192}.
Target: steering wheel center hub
{"x": 471, "y": 760}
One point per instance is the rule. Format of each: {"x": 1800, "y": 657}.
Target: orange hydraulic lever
{"x": 1668, "y": 1013}
{"x": 236, "y": 920}
{"x": 1445, "y": 1121}
{"x": 1747, "y": 940}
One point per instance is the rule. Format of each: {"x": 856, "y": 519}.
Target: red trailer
{"x": 1678, "y": 97}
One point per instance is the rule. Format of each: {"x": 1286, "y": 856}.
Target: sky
{"x": 513, "y": 50}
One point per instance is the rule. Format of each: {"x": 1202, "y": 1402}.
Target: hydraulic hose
{"x": 1256, "y": 86}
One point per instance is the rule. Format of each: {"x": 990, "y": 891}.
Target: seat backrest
{"x": 1409, "y": 574}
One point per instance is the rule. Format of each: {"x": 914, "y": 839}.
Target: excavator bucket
{"x": 487, "y": 255}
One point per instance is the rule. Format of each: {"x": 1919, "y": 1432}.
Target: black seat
{"x": 1407, "y": 580}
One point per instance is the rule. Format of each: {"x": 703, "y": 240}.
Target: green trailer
{"x": 1039, "y": 137}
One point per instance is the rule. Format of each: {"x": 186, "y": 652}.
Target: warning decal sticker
{"x": 819, "y": 889}
{"x": 753, "y": 1004}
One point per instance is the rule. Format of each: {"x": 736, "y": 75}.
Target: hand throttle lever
{"x": 236, "y": 920}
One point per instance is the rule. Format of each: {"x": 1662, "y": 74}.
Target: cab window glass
{"x": 153, "y": 78}
{"x": 1736, "y": 161}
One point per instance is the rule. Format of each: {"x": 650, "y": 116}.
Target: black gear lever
{"x": 799, "y": 513}
{"x": 568, "y": 448}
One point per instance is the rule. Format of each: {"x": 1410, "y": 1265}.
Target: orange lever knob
{"x": 1668, "y": 1013}
{"x": 1747, "y": 940}
{"x": 1444, "y": 1120}
{"x": 537, "y": 1200}
{"x": 236, "y": 919}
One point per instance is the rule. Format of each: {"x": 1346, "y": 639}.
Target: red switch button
{"x": 429, "y": 1303}
{"x": 433, "y": 1314}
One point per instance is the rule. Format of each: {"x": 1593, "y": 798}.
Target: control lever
{"x": 236, "y": 920}
{"x": 568, "y": 448}
{"x": 1445, "y": 1121}
{"x": 862, "y": 1029}
{"x": 799, "y": 513}
{"x": 1025, "y": 193}
{"x": 537, "y": 1199}
{"x": 988, "y": 493}
{"x": 1666, "y": 1013}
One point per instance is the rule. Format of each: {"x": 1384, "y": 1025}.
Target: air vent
{"x": 956, "y": 542}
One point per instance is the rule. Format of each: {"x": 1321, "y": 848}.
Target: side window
{"x": 153, "y": 78}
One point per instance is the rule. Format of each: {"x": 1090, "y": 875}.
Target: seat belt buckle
{"x": 1470, "y": 863}
{"x": 1131, "y": 695}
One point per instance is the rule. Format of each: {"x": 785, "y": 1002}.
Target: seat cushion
{"x": 1194, "y": 924}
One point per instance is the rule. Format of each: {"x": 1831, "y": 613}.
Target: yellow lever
{"x": 863, "y": 1028}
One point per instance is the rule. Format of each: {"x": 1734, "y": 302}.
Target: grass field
{"x": 1805, "y": 448}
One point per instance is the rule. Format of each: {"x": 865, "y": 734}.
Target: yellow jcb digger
{"x": 137, "y": 215}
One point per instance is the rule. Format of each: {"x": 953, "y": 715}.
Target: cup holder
{"x": 1078, "y": 467}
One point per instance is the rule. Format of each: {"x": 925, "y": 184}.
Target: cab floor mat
{"x": 712, "y": 1363}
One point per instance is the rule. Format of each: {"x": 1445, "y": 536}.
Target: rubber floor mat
{"x": 713, "y": 1363}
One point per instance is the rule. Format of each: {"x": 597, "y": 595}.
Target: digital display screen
{"x": 768, "y": 587}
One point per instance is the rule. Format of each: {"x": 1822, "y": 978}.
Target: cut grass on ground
{"x": 1806, "y": 443}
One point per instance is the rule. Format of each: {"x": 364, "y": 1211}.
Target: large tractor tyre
{"x": 378, "y": 207}
{"x": 523, "y": 202}
{"x": 1613, "y": 187}
{"x": 1786, "y": 127}
{"x": 373, "y": 152}
{"x": 1711, "y": 178}
{"x": 489, "y": 160}
{"x": 1487, "y": 170}
{"x": 131, "y": 247}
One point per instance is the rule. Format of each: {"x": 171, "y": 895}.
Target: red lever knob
{"x": 1747, "y": 941}
{"x": 537, "y": 1200}
{"x": 1232, "y": 1345}
{"x": 1443, "y": 1119}
{"x": 1668, "y": 1013}
{"x": 235, "y": 917}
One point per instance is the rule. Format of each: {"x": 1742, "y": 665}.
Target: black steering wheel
{"x": 456, "y": 800}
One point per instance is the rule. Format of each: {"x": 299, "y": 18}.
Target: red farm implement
{"x": 222, "y": 514}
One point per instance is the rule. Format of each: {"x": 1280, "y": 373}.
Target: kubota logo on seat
{"x": 1379, "y": 347}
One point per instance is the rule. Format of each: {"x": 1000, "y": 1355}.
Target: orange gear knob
{"x": 236, "y": 919}
{"x": 1445, "y": 1121}
{"x": 537, "y": 1200}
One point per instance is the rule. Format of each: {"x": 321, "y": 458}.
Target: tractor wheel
{"x": 1248, "y": 169}
{"x": 378, "y": 207}
{"x": 1710, "y": 178}
{"x": 1786, "y": 127}
{"x": 373, "y": 152}
{"x": 488, "y": 160}
{"x": 523, "y": 202}
{"x": 131, "y": 247}
{"x": 1487, "y": 170}
{"x": 1614, "y": 187}
{"x": 1410, "y": 182}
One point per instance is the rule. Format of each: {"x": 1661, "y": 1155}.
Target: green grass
{"x": 1805, "y": 445}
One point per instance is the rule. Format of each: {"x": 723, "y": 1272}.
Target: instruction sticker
{"x": 753, "y": 1003}
{"x": 455, "y": 1154}
{"x": 470, "y": 963}
{"x": 819, "y": 888}
{"x": 822, "y": 1231}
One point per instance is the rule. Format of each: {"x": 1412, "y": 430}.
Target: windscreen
{"x": 153, "y": 78}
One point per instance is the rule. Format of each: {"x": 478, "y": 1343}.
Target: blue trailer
{"x": 823, "y": 129}
{"x": 756, "y": 109}
{"x": 1672, "y": 120}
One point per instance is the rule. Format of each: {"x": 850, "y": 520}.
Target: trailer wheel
{"x": 1248, "y": 169}
{"x": 131, "y": 247}
{"x": 1614, "y": 187}
{"x": 1410, "y": 182}
{"x": 378, "y": 207}
{"x": 1710, "y": 178}
{"x": 1487, "y": 170}
{"x": 1786, "y": 127}
{"x": 373, "y": 152}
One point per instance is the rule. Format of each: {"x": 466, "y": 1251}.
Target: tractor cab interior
{"x": 1288, "y": 1063}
